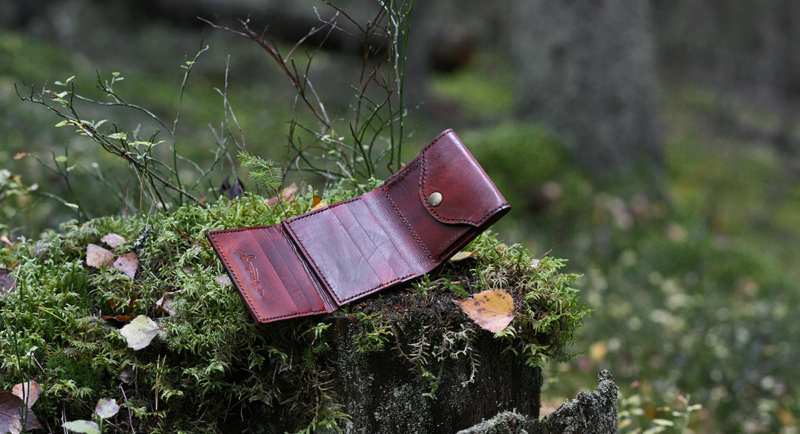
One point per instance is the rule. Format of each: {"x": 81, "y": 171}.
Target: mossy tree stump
{"x": 405, "y": 360}
{"x": 383, "y": 392}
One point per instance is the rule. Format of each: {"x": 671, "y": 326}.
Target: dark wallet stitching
{"x": 239, "y": 284}
{"x": 319, "y": 270}
{"x": 385, "y": 189}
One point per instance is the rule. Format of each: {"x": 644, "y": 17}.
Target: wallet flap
{"x": 453, "y": 187}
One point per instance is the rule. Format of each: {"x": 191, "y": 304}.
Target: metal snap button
{"x": 435, "y": 199}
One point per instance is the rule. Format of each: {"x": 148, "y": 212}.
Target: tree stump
{"x": 383, "y": 394}
{"x": 590, "y": 413}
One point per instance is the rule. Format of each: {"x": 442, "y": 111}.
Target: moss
{"x": 212, "y": 368}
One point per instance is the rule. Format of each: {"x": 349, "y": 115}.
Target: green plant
{"x": 324, "y": 150}
{"x": 156, "y": 178}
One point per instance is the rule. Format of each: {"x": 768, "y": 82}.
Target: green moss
{"x": 211, "y": 362}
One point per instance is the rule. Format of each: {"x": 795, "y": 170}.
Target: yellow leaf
{"x": 319, "y": 205}
{"x": 460, "y": 256}
{"x": 493, "y": 310}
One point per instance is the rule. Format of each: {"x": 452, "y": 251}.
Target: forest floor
{"x": 693, "y": 290}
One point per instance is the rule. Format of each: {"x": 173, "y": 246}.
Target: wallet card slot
{"x": 382, "y": 241}
{"x": 334, "y": 255}
{"x": 250, "y": 268}
{"x": 364, "y": 243}
{"x": 277, "y": 252}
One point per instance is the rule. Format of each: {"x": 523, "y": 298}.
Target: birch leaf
{"x": 29, "y": 390}
{"x": 106, "y": 408}
{"x": 140, "y": 332}
{"x": 10, "y": 405}
{"x": 127, "y": 263}
{"x": 82, "y": 426}
{"x": 98, "y": 257}
{"x": 493, "y": 310}
{"x": 112, "y": 240}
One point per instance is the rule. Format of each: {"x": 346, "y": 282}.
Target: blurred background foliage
{"x": 675, "y": 193}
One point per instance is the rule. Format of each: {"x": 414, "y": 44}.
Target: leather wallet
{"x": 319, "y": 261}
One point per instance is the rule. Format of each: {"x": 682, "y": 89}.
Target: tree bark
{"x": 586, "y": 69}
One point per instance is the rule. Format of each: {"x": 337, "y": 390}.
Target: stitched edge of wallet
{"x": 422, "y": 186}
{"x": 319, "y": 270}
{"x": 224, "y": 256}
{"x": 384, "y": 190}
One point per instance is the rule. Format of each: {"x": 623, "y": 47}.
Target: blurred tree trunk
{"x": 748, "y": 43}
{"x": 586, "y": 69}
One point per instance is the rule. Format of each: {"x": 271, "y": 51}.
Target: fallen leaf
{"x": 287, "y": 194}
{"x": 140, "y": 332}
{"x": 315, "y": 201}
{"x": 164, "y": 304}
{"x": 82, "y": 426}
{"x": 493, "y": 310}
{"x": 320, "y": 205}
{"x": 7, "y": 282}
{"x": 10, "y": 417}
{"x": 29, "y": 390}
{"x": 127, "y": 263}
{"x": 460, "y": 256}
{"x": 113, "y": 240}
{"x": 133, "y": 299}
{"x": 98, "y": 257}
{"x": 4, "y": 239}
{"x": 127, "y": 375}
{"x": 106, "y": 408}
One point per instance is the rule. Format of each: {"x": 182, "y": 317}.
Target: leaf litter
{"x": 11, "y": 404}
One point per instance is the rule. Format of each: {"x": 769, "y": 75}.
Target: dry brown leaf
{"x": 164, "y": 304}
{"x": 493, "y": 310}
{"x": 10, "y": 405}
{"x": 223, "y": 280}
{"x": 113, "y": 240}
{"x": 127, "y": 263}
{"x": 29, "y": 390}
{"x": 7, "y": 282}
{"x": 316, "y": 201}
{"x": 98, "y": 257}
{"x": 287, "y": 194}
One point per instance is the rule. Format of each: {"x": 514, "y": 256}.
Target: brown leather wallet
{"x": 321, "y": 260}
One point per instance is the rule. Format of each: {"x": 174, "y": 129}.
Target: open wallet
{"x": 321, "y": 260}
